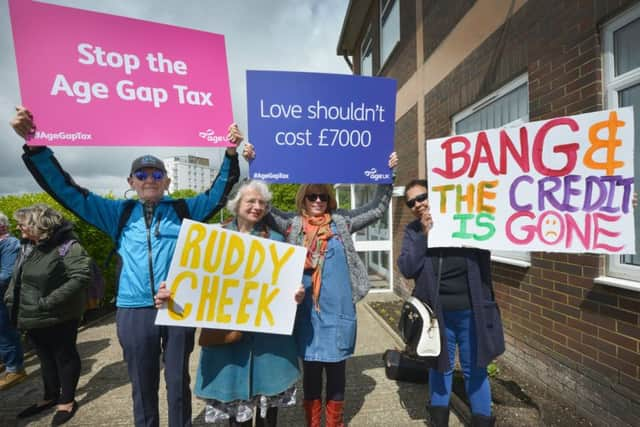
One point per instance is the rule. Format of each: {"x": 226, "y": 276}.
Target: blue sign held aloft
{"x": 320, "y": 128}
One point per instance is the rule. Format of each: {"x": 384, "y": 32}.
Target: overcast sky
{"x": 293, "y": 35}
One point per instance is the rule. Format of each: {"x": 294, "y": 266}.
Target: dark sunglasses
{"x": 314, "y": 196}
{"x": 142, "y": 175}
{"x": 419, "y": 198}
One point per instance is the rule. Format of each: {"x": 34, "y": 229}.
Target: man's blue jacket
{"x": 145, "y": 252}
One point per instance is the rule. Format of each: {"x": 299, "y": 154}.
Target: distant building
{"x": 189, "y": 172}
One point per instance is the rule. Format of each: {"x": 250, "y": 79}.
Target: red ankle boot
{"x": 313, "y": 412}
{"x": 335, "y": 410}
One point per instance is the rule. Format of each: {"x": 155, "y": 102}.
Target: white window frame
{"x": 366, "y": 50}
{"x": 516, "y": 258}
{"x": 385, "y": 13}
{"x": 618, "y": 274}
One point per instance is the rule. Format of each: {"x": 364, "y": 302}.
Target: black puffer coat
{"x": 49, "y": 288}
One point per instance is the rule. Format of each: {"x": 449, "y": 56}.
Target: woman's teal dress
{"x": 260, "y": 370}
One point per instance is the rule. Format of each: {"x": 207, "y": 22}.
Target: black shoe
{"x": 482, "y": 420}
{"x": 438, "y": 416}
{"x": 61, "y": 417}
{"x": 35, "y": 409}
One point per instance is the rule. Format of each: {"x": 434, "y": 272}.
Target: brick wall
{"x": 406, "y": 135}
{"x": 439, "y": 18}
{"x": 578, "y": 338}
{"x": 401, "y": 63}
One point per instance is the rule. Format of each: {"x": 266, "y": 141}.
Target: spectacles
{"x": 314, "y": 196}
{"x": 419, "y": 198}
{"x": 142, "y": 175}
{"x": 258, "y": 202}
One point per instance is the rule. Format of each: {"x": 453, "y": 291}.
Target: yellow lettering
{"x": 278, "y": 263}
{"x": 195, "y": 235}
{"x": 224, "y": 300}
{"x": 208, "y": 253}
{"x": 208, "y": 296}
{"x": 263, "y": 304}
{"x": 256, "y": 249}
{"x": 175, "y": 311}
{"x": 243, "y": 317}
{"x": 235, "y": 249}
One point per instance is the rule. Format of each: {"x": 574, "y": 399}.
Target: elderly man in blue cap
{"x": 145, "y": 233}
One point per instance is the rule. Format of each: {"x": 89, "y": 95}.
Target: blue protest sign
{"x": 320, "y": 128}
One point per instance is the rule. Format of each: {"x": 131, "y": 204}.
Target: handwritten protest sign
{"x": 558, "y": 185}
{"x": 328, "y": 128}
{"x": 228, "y": 280}
{"x": 95, "y": 79}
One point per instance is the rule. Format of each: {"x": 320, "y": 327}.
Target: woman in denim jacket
{"x": 335, "y": 279}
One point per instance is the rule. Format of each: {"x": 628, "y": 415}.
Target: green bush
{"x": 99, "y": 245}
{"x": 284, "y": 196}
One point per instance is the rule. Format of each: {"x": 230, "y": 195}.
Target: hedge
{"x": 98, "y": 244}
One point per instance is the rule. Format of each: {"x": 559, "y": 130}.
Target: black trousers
{"x": 59, "y": 359}
{"x": 312, "y": 379}
{"x": 144, "y": 344}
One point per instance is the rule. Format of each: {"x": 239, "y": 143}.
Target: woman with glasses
{"x": 46, "y": 297}
{"x": 246, "y": 378}
{"x": 145, "y": 239}
{"x": 335, "y": 279}
{"x": 456, "y": 283}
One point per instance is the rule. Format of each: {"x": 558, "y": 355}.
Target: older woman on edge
{"x": 335, "y": 279}
{"x": 258, "y": 372}
{"x": 49, "y": 284}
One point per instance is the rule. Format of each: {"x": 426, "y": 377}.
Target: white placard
{"x": 223, "y": 279}
{"x": 558, "y": 185}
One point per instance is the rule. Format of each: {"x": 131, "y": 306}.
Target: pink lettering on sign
{"x": 96, "y": 80}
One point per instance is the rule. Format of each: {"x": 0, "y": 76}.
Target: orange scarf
{"x": 317, "y": 232}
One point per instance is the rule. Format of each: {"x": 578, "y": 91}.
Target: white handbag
{"x": 419, "y": 328}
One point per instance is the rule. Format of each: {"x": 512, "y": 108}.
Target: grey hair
{"x": 4, "y": 220}
{"x": 260, "y": 187}
{"x": 40, "y": 219}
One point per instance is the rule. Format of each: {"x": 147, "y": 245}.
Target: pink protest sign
{"x": 96, "y": 79}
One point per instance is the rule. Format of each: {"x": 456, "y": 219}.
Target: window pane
{"x": 626, "y": 47}
{"x": 377, "y": 231}
{"x": 343, "y": 193}
{"x": 366, "y": 67}
{"x": 377, "y": 265}
{"x": 390, "y": 29}
{"x": 506, "y": 109}
{"x": 627, "y": 97}
{"x": 366, "y": 61}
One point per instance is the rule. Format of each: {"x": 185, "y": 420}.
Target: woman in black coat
{"x": 46, "y": 297}
{"x": 456, "y": 283}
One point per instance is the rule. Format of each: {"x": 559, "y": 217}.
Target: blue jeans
{"x": 10, "y": 346}
{"x": 460, "y": 330}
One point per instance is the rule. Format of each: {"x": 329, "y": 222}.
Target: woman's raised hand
{"x": 235, "y": 137}
{"x": 248, "y": 152}
{"x": 393, "y": 160}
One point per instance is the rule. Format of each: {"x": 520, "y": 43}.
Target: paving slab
{"x": 104, "y": 391}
